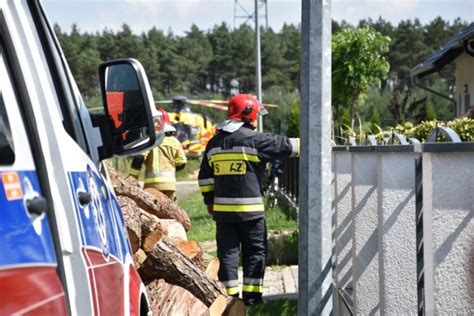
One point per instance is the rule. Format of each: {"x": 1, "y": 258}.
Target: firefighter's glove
{"x": 210, "y": 209}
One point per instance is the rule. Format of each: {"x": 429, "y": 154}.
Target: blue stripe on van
{"x": 21, "y": 242}
{"x": 101, "y": 221}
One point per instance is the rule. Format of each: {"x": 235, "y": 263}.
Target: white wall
{"x": 397, "y": 233}
{"x": 448, "y": 232}
{"x": 464, "y": 75}
{"x": 365, "y": 278}
{"x": 375, "y": 204}
{"x": 343, "y": 221}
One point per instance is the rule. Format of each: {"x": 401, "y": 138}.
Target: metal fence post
{"x": 315, "y": 270}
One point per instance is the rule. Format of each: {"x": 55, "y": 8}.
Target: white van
{"x": 63, "y": 243}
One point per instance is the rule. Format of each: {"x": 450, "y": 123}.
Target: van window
{"x": 62, "y": 79}
{"x": 7, "y": 149}
{"x": 15, "y": 140}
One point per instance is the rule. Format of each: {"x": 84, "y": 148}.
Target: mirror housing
{"x": 130, "y": 123}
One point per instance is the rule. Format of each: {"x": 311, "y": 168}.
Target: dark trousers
{"x": 250, "y": 238}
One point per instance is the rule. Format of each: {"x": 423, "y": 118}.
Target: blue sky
{"x": 179, "y": 15}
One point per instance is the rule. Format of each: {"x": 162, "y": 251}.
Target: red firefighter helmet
{"x": 244, "y": 107}
{"x": 165, "y": 116}
{"x": 167, "y": 126}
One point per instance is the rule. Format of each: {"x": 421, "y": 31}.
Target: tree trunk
{"x": 153, "y": 230}
{"x": 213, "y": 268}
{"x": 192, "y": 250}
{"x": 151, "y": 223}
{"x": 172, "y": 300}
{"x": 168, "y": 299}
{"x": 138, "y": 258}
{"x": 163, "y": 208}
{"x": 166, "y": 261}
{"x": 173, "y": 268}
{"x": 131, "y": 215}
{"x": 197, "y": 307}
{"x": 176, "y": 231}
{"x": 171, "y": 207}
{"x": 150, "y": 240}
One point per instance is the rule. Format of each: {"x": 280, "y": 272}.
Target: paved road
{"x": 280, "y": 282}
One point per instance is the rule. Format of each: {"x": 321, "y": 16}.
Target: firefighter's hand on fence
{"x": 210, "y": 209}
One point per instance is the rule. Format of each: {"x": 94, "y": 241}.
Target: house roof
{"x": 450, "y": 50}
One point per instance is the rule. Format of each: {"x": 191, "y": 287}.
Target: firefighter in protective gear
{"x": 230, "y": 179}
{"x": 162, "y": 161}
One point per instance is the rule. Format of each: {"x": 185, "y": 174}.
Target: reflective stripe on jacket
{"x": 232, "y": 170}
{"x": 161, "y": 163}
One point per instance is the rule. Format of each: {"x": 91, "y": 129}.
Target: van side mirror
{"x": 128, "y": 106}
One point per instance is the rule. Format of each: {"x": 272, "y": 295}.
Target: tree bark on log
{"x": 131, "y": 215}
{"x": 198, "y": 307}
{"x": 168, "y": 299}
{"x": 132, "y": 181}
{"x": 163, "y": 208}
{"x": 166, "y": 261}
{"x": 171, "y": 299}
{"x": 171, "y": 207}
{"x": 153, "y": 230}
{"x": 157, "y": 290}
{"x": 151, "y": 223}
{"x": 192, "y": 250}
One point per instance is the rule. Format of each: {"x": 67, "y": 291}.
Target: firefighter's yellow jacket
{"x": 161, "y": 163}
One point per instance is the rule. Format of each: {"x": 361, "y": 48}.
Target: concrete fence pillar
{"x": 448, "y": 228}
{"x": 397, "y": 230}
{"x": 365, "y": 277}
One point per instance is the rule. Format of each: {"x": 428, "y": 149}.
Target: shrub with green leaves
{"x": 404, "y": 128}
{"x": 423, "y": 130}
{"x": 464, "y": 127}
{"x": 283, "y": 249}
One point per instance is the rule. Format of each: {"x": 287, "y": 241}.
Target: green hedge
{"x": 464, "y": 127}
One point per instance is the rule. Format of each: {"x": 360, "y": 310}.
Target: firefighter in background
{"x": 230, "y": 179}
{"x": 162, "y": 162}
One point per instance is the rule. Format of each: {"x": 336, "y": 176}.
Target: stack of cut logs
{"x": 170, "y": 265}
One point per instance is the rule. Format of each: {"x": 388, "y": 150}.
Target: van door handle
{"x": 84, "y": 198}
{"x": 36, "y": 205}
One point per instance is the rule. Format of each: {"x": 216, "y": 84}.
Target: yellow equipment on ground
{"x": 194, "y": 130}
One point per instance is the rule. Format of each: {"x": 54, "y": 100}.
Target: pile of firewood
{"x": 171, "y": 266}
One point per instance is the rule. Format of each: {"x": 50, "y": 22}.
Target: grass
{"x": 202, "y": 225}
{"x": 278, "y": 218}
{"x": 283, "y": 249}
{"x": 190, "y": 170}
{"x": 271, "y": 308}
